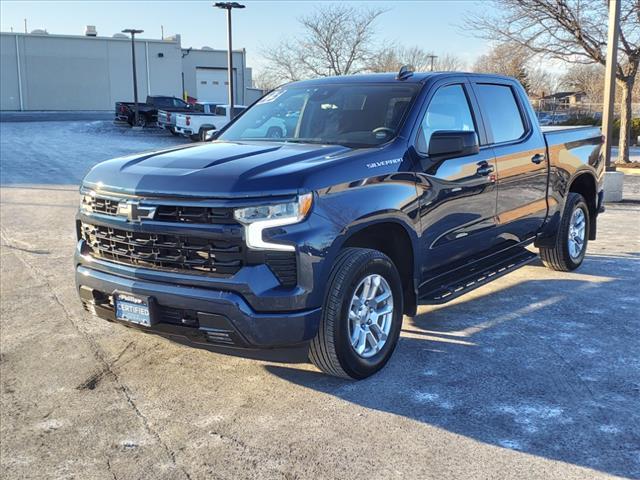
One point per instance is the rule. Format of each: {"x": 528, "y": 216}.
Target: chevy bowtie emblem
{"x": 134, "y": 212}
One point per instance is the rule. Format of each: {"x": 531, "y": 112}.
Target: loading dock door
{"x": 212, "y": 85}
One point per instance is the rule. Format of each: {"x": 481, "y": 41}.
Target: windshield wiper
{"x": 312, "y": 141}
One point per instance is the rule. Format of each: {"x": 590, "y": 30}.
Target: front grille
{"x": 164, "y": 213}
{"x": 104, "y": 206}
{"x": 182, "y": 214}
{"x": 163, "y": 251}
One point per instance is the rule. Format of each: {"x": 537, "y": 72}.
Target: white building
{"x": 40, "y": 71}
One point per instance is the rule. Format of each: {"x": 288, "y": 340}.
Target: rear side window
{"x": 448, "y": 110}
{"x": 500, "y": 110}
{"x": 221, "y": 111}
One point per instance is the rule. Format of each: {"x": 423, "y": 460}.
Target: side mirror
{"x": 450, "y": 143}
{"x": 211, "y": 135}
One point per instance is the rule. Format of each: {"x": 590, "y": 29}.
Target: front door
{"x": 458, "y": 195}
{"x": 520, "y": 151}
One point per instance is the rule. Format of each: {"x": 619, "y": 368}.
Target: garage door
{"x": 212, "y": 85}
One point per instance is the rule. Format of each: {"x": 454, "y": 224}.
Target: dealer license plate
{"x": 130, "y": 308}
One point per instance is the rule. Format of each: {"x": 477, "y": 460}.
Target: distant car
{"x": 544, "y": 119}
{"x": 205, "y": 117}
{"x": 167, "y": 119}
{"x": 558, "y": 118}
{"x": 274, "y": 127}
{"x": 148, "y": 111}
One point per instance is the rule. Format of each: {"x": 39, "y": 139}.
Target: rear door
{"x": 457, "y": 195}
{"x": 519, "y": 150}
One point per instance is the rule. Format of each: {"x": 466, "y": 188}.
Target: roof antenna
{"x": 404, "y": 73}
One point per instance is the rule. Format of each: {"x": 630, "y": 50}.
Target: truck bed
{"x": 562, "y": 136}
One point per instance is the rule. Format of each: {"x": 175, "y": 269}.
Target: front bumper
{"x": 201, "y": 316}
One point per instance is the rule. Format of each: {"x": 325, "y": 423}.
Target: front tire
{"x": 361, "y": 315}
{"x": 572, "y": 237}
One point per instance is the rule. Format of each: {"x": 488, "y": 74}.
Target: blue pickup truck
{"x": 388, "y": 191}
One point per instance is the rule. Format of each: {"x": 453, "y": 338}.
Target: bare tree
{"x": 450, "y": 63}
{"x": 265, "y": 80}
{"x": 573, "y": 31}
{"x": 588, "y": 79}
{"x": 505, "y": 59}
{"x": 543, "y": 82}
{"x": 391, "y": 58}
{"x": 336, "y": 40}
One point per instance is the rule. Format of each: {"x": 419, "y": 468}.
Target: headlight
{"x": 256, "y": 219}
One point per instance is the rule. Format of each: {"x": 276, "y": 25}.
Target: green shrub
{"x": 580, "y": 120}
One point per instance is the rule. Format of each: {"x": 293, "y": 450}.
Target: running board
{"x": 450, "y": 286}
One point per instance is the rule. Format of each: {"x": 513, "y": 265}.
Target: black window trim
{"x": 528, "y": 128}
{"x": 471, "y": 101}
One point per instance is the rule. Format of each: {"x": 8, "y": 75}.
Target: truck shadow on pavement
{"x": 546, "y": 367}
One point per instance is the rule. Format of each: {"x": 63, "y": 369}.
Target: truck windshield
{"x": 355, "y": 115}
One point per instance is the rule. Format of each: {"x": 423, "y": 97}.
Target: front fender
{"x": 339, "y": 212}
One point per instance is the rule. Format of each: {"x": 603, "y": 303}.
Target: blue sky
{"x": 432, "y": 25}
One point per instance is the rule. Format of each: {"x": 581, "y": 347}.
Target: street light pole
{"x": 228, "y": 6}
{"x": 133, "y": 32}
{"x": 610, "y": 80}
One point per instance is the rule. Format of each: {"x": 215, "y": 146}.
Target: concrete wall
{"x": 252, "y": 94}
{"x": 61, "y": 72}
{"x": 66, "y": 72}
{"x": 9, "y": 90}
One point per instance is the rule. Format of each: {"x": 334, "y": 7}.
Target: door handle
{"x": 484, "y": 169}
{"x": 538, "y": 158}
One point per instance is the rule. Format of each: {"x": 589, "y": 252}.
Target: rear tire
{"x": 143, "y": 121}
{"x": 572, "y": 237}
{"x": 333, "y": 350}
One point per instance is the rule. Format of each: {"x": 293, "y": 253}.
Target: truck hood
{"x": 218, "y": 169}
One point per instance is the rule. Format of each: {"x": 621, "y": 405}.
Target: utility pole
{"x": 610, "y": 80}
{"x": 228, "y": 6}
{"x": 432, "y": 58}
{"x": 133, "y": 32}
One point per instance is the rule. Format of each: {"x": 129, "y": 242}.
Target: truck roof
{"x": 415, "y": 77}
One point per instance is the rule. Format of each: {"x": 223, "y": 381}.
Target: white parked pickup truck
{"x": 206, "y": 116}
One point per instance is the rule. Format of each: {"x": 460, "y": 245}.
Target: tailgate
{"x": 181, "y": 120}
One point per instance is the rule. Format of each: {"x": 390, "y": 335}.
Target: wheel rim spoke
{"x": 577, "y": 233}
{"x": 370, "y": 315}
{"x": 361, "y": 342}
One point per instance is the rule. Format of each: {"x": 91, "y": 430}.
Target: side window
{"x": 221, "y": 111}
{"x": 500, "y": 110}
{"x": 448, "y": 110}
